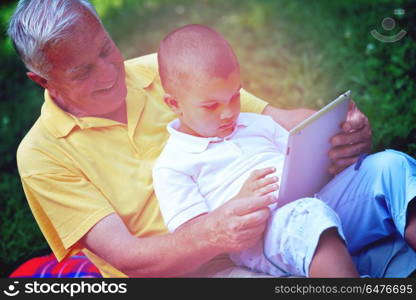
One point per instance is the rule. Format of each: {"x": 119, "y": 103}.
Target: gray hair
{"x": 37, "y": 24}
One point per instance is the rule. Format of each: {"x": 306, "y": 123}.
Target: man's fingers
{"x": 348, "y": 138}
{"x": 249, "y": 238}
{"x": 353, "y": 141}
{"x": 255, "y": 219}
{"x": 347, "y": 151}
{"x": 341, "y": 164}
{"x": 361, "y": 135}
{"x": 248, "y": 205}
{"x": 344, "y": 156}
{"x": 355, "y": 119}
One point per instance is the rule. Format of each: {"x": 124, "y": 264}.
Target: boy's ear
{"x": 172, "y": 103}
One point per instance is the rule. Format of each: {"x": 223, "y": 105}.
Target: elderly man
{"x": 86, "y": 163}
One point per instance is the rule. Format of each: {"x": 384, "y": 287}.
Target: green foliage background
{"x": 292, "y": 53}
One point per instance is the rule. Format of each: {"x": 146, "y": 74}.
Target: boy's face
{"x": 210, "y": 108}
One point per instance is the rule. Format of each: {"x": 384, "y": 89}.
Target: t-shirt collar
{"x": 196, "y": 144}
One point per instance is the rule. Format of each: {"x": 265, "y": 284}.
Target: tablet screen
{"x": 306, "y": 165}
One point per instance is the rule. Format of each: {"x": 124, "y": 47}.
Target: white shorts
{"x": 290, "y": 239}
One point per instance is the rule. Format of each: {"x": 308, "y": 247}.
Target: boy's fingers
{"x": 260, "y": 173}
{"x": 268, "y": 189}
{"x": 261, "y": 183}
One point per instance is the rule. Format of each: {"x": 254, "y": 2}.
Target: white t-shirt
{"x": 194, "y": 175}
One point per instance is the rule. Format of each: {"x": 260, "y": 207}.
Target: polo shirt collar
{"x": 61, "y": 123}
{"x": 196, "y": 144}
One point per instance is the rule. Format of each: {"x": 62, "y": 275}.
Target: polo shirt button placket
{"x": 233, "y": 146}
{"x": 134, "y": 149}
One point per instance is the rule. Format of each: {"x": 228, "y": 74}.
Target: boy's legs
{"x": 301, "y": 237}
{"x": 372, "y": 201}
{"x": 331, "y": 258}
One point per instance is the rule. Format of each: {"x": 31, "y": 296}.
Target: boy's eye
{"x": 212, "y": 106}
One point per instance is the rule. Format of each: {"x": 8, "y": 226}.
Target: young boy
{"x": 216, "y": 153}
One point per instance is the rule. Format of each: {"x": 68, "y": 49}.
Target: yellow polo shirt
{"x": 75, "y": 171}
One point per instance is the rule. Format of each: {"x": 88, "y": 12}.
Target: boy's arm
{"x": 257, "y": 184}
{"x": 179, "y": 197}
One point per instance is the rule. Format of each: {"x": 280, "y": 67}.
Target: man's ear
{"x": 38, "y": 79}
{"x": 172, "y": 103}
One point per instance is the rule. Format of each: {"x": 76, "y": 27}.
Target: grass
{"x": 296, "y": 53}
{"x": 292, "y": 53}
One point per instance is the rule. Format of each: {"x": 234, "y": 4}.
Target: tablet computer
{"x": 305, "y": 169}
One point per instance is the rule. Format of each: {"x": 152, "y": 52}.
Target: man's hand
{"x": 354, "y": 140}
{"x": 239, "y": 223}
{"x": 258, "y": 184}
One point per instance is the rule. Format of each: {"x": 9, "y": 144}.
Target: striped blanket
{"x": 77, "y": 266}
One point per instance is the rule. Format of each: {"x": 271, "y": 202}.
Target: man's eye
{"x": 212, "y": 106}
{"x": 104, "y": 53}
{"x": 82, "y": 76}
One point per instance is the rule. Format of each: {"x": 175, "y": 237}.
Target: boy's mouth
{"x": 228, "y": 125}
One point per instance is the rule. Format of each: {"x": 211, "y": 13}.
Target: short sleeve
{"x": 179, "y": 197}
{"x": 65, "y": 206}
{"x": 251, "y": 103}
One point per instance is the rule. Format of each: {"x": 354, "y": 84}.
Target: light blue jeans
{"x": 371, "y": 199}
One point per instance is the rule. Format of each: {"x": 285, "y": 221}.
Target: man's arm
{"x": 287, "y": 118}
{"x": 347, "y": 146}
{"x": 236, "y": 225}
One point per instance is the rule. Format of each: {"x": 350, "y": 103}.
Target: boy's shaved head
{"x": 191, "y": 54}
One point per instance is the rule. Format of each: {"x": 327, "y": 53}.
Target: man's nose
{"x": 106, "y": 72}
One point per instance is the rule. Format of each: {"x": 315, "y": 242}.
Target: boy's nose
{"x": 226, "y": 114}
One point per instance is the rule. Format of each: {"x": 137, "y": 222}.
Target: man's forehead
{"x": 78, "y": 47}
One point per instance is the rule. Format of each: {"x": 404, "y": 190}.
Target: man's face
{"x": 211, "y": 109}
{"x": 87, "y": 74}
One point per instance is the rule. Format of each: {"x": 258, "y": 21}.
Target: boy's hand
{"x": 258, "y": 185}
